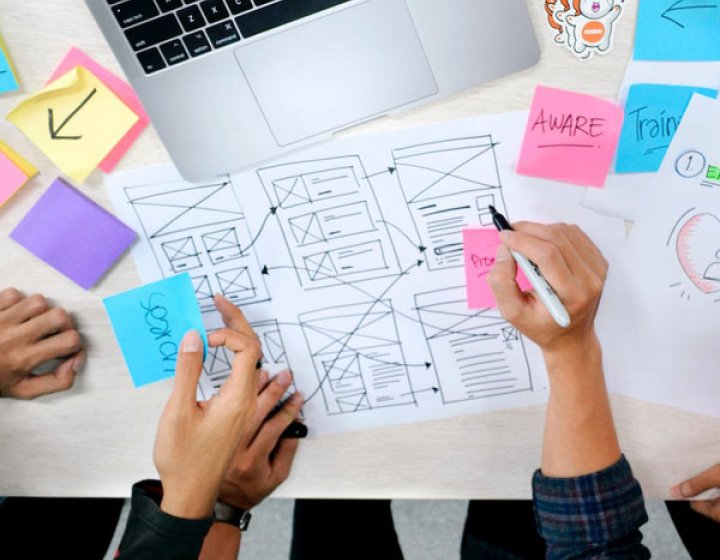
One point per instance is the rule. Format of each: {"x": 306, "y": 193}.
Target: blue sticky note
{"x": 652, "y": 115}
{"x": 7, "y": 77}
{"x": 149, "y": 324}
{"x": 684, "y": 30}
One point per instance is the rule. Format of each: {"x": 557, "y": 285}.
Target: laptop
{"x": 229, "y": 84}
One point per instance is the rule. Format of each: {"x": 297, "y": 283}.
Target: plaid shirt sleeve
{"x": 593, "y": 516}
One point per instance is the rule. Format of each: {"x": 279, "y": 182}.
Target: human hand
{"x": 708, "y": 480}
{"x": 262, "y": 461}
{"x": 31, "y": 334}
{"x": 196, "y": 440}
{"x": 573, "y": 266}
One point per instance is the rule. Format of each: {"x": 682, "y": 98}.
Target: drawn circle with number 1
{"x": 690, "y": 164}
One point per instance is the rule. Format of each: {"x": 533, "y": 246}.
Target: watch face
{"x": 245, "y": 521}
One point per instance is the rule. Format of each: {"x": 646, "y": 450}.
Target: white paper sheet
{"x": 364, "y": 287}
{"x": 623, "y": 193}
{"x": 660, "y": 315}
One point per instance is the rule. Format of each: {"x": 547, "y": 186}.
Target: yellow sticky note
{"x": 20, "y": 162}
{"x": 76, "y": 120}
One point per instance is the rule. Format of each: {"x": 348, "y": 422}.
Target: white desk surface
{"x": 97, "y": 439}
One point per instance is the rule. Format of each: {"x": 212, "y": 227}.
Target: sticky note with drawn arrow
{"x": 680, "y": 30}
{"x": 76, "y": 120}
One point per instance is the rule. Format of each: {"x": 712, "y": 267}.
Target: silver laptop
{"x": 231, "y": 83}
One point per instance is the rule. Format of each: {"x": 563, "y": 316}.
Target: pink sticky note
{"x": 11, "y": 178}
{"x": 120, "y": 88}
{"x": 570, "y": 137}
{"x": 480, "y": 246}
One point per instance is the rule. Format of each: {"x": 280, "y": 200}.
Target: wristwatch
{"x": 236, "y": 517}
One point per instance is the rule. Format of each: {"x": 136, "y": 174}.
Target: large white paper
{"x": 349, "y": 255}
{"x": 623, "y": 194}
{"x": 660, "y": 316}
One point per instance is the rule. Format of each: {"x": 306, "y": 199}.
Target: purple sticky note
{"x": 74, "y": 235}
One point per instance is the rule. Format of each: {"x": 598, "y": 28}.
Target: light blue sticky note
{"x": 149, "y": 324}
{"x": 7, "y": 78}
{"x": 685, "y": 30}
{"x": 652, "y": 115}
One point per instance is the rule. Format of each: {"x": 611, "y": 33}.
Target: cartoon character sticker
{"x": 585, "y": 27}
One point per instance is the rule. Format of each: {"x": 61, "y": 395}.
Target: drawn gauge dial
{"x": 690, "y": 164}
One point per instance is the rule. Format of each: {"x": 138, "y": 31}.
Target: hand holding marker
{"x": 543, "y": 290}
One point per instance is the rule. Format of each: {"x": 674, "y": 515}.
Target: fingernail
{"x": 284, "y": 379}
{"x": 297, "y": 399}
{"x": 685, "y": 489}
{"x": 506, "y": 235}
{"x": 502, "y": 254}
{"x": 78, "y": 363}
{"x": 676, "y": 492}
{"x": 191, "y": 342}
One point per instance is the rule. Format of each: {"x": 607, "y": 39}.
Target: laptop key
{"x": 169, "y": 5}
{"x": 191, "y": 18}
{"x": 174, "y": 52}
{"x": 214, "y": 10}
{"x": 239, "y": 6}
{"x": 135, "y": 11}
{"x": 223, "y": 34}
{"x": 153, "y": 32}
{"x": 280, "y": 13}
{"x": 151, "y": 60}
{"x": 197, "y": 44}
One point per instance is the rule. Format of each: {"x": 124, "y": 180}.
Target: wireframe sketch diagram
{"x": 331, "y": 221}
{"x": 448, "y": 185}
{"x": 200, "y": 229}
{"x": 362, "y": 368}
{"x": 347, "y": 261}
{"x": 479, "y": 354}
{"x": 695, "y": 239}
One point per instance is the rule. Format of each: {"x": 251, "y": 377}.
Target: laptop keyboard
{"x": 168, "y": 32}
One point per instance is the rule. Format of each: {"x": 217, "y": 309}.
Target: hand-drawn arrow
{"x": 678, "y": 7}
{"x": 54, "y": 132}
{"x": 390, "y": 170}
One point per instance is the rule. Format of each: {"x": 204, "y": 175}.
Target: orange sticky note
{"x": 479, "y": 247}
{"x": 75, "y": 57}
{"x": 570, "y": 137}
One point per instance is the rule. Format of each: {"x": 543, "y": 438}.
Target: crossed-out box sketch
{"x": 332, "y": 224}
{"x": 200, "y": 229}
{"x": 358, "y": 357}
{"x": 448, "y": 186}
{"x": 479, "y": 354}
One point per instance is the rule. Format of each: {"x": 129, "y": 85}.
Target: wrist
{"x": 580, "y": 354}
{"x": 187, "y": 505}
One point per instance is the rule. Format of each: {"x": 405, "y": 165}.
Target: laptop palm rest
{"x": 337, "y": 70}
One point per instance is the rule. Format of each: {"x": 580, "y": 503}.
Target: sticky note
{"x": 652, "y": 115}
{"x": 12, "y": 178}
{"x": 74, "y": 235}
{"x": 570, "y": 137}
{"x": 8, "y": 75}
{"x": 76, "y": 121}
{"x": 479, "y": 247}
{"x": 19, "y": 161}
{"x": 681, "y": 30}
{"x": 75, "y": 57}
{"x": 149, "y": 323}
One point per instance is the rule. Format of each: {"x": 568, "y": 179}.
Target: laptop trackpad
{"x": 337, "y": 70}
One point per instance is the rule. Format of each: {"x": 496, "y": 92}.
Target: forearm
{"x": 580, "y": 436}
{"x": 221, "y": 543}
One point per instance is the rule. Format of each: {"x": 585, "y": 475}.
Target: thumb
{"x": 698, "y": 484}
{"x": 188, "y": 369}
{"x": 502, "y": 282}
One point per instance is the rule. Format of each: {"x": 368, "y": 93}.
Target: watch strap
{"x": 237, "y": 517}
